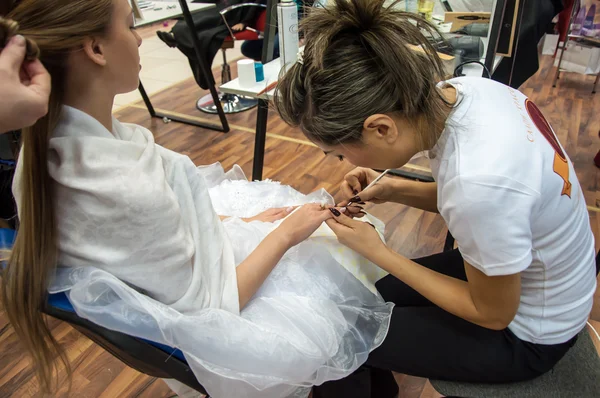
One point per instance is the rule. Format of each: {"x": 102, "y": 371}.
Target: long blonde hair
{"x": 56, "y": 27}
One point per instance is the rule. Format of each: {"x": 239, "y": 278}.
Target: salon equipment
{"x": 246, "y": 72}
{"x": 287, "y": 21}
{"x": 184, "y": 11}
{"x": 475, "y": 29}
{"x": 153, "y": 359}
{"x": 461, "y": 19}
{"x": 233, "y": 103}
{"x": 259, "y": 72}
{"x": 575, "y": 375}
{"x": 470, "y": 48}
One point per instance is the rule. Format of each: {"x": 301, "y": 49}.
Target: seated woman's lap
{"x": 395, "y": 291}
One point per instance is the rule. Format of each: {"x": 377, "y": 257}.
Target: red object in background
{"x": 563, "y": 22}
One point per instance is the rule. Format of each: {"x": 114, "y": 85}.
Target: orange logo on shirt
{"x": 561, "y": 166}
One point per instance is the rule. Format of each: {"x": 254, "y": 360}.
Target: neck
{"x": 92, "y": 99}
{"x": 450, "y": 96}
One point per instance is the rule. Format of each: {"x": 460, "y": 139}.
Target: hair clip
{"x": 300, "y": 57}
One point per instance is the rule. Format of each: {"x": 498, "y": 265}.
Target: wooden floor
{"x": 571, "y": 109}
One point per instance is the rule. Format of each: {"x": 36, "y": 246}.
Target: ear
{"x": 381, "y": 126}
{"x": 95, "y": 51}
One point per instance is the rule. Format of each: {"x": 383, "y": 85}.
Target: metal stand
{"x": 260, "y": 139}
{"x": 231, "y": 103}
{"x": 580, "y": 40}
{"x": 224, "y": 126}
{"x": 263, "y": 104}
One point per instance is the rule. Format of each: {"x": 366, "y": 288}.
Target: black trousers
{"x": 426, "y": 341}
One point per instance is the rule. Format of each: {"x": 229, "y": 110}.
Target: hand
{"x": 356, "y": 180}
{"x": 238, "y": 27}
{"x": 271, "y": 215}
{"x": 362, "y": 237}
{"x": 24, "y": 88}
{"x": 300, "y": 225}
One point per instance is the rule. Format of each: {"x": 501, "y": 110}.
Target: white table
{"x": 151, "y": 16}
{"x": 181, "y": 8}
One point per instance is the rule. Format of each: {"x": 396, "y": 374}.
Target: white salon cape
{"x": 142, "y": 251}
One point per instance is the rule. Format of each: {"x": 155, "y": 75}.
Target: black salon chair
{"x": 148, "y": 357}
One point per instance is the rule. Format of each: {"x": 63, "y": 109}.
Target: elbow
{"x": 497, "y": 325}
{"x": 499, "y": 322}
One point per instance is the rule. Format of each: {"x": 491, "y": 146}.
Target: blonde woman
{"x": 257, "y": 307}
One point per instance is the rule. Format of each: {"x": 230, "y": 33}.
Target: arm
{"x": 489, "y": 216}
{"x": 488, "y": 301}
{"x": 255, "y": 269}
{"x": 422, "y": 195}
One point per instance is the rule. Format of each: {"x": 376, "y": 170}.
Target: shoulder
{"x": 480, "y": 195}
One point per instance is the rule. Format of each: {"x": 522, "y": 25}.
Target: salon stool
{"x": 577, "y": 374}
{"x": 233, "y": 103}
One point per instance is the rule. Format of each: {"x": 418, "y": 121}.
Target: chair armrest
{"x": 236, "y": 6}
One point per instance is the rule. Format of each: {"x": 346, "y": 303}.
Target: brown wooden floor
{"x": 289, "y": 158}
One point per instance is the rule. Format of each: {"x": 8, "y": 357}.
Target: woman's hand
{"x": 271, "y": 215}
{"x": 300, "y": 225}
{"x": 356, "y": 180}
{"x": 357, "y": 235}
{"x": 238, "y": 27}
{"x": 24, "y": 85}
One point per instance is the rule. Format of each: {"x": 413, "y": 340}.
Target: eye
{"x": 340, "y": 157}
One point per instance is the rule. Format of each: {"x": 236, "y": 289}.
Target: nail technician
{"x": 509, "y": 303}
{"x": 24, "y": 87}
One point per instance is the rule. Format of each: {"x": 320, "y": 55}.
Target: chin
{"x": 131, "y": 86}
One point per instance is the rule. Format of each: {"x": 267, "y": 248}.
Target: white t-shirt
{"x": 511, "y": 199}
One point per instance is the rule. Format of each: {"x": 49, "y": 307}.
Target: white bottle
{"x": 287, "y": 19}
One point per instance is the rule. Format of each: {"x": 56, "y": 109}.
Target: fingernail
{"x": 343, "y": 209}
{"x": 361, "y": 203}
{"x": 289, "y": 209}
{"x": 19, "y": 40}
{"x": 355, "y": 192}
{"x": 335, "y": 212}
{"x": 355, "y": 199}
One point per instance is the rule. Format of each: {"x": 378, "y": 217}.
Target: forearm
{"x": 448, "y": 293}
{"x": 255, "y": 269}
{"x": 422, "y": 195}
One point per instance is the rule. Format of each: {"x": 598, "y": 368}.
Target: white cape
{"x": 144, "y": 253}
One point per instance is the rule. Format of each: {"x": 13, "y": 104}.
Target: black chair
{"x": 148, "y": 357}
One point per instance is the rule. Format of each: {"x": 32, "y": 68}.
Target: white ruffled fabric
{"x": 148, "y": 256}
